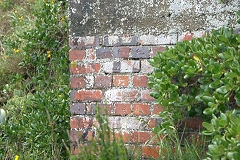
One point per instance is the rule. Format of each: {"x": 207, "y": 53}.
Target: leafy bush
{"x": 225, "y": 133}
{"x": 200, "y": 76}
{"x": 38, "y": 101}
{"x": 104, "y": 145}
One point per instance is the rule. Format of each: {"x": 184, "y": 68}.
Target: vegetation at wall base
{"x": 104, "y": 145}
{"x": 200, "y": 78}
{"x": 34, "y": 76}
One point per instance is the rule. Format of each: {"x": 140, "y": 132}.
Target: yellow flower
{"x": 20, "y": 18}
{"x": 62, "y": 19}
{"x": 196, "y": 58}
{"x": 48, "y": 54}
{"x": 16, "y": 157}
{"x": 15, "y": 50}
{"x": 15, "y": 11}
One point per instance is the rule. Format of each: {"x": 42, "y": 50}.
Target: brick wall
{"x": 111, "y": 42}
{"x": 111, "y": 72}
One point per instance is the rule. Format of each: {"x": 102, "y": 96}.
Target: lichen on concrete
{"x": 139, "y": 17}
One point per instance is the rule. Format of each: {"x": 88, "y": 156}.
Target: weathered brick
{"x": 167, "y": 39}
{"x": 107, "y": 67}
{"x": 88, "y": 95}
{"x": 87, "y": 68}
{"x": 87, "y": 41}
{"x": 115, "y": 122}
{"x": 104, "y": 53}
{"x": 140, "y": 52}
{"x": 121, "y": 95}
{"x": 91, "y": 108}
{"x": 157, "y": 109}
{"x": 150, "y": 151}
{"x": 141, "y": 109}
{"x": 129, "y": 40}
{"x": 156, "y": 49}
{"x": 103, "y": 81}
{"x": 121, "y": 80}
{"x": 146, "y": 68}
{"x": 77, "y": 82}
{"x": 121, "y": 52}
{"x": 189, "y": 35}
{"x": 130, "y": 123}
{"x": 148, "y": 40}
{"x": 78, "y": 109}
{"x": 89, "y": 80}
{"x": 77, "y": 136}
{"x": 90, "y": 54}
{"x": 141, "y": 137}
{"x": 112, "y": 41}
{"x": 116, "y": 66}
{"x": 125, "y": 136}
{"x": 122, "y": 108}
{"x": 140, "y": 81}
{"x": 145, "y": 96}
{"x": 81, "y": 122}
{"x": 76, "y": 55}
{"x": 128, "y": 66}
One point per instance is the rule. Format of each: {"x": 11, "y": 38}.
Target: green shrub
{"x": 225, "y": 133}
{"x": 200, "y": 76}
{"x": 38, "y": 112}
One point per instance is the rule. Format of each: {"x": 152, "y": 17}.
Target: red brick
{"x": 122, "y": 109}
{"x": 87, "y": 68}
{"x": 152, "y": 122}
{"x": 76, "y": 55}
{"x": 119, "y": 80}
{"x": 150, "y": 151}
{"x": 125, "y": 136}
{"x": 141, "y": 109}
{"x": 77, "y": 82}
{"x": 93, "y": 68}
{"x": 121, "y": 52}
{"x": 81, "y": 122}
{"x": 140, "y": 81}
{"x": 145, "y": 96}
{"x": 156, "y": 49}
{"x": 122, "y": 95}
{"x": 88, "y": 95}
{"x": 103, "y": 81}
{"x": 141, "y": 137}
{"x": 157, "y": 109}
{"x": 188, "y": 36}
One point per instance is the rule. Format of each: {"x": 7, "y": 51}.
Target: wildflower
{"x": 48, "y": 54}
{"x": 62, "y": 19}
{"x": 196, "y": 58}
{"x": 15, "y": 50}
{"x": 20, "y": 18}
{"x": 16, "y": 157}
{"x": 15, "y": 11}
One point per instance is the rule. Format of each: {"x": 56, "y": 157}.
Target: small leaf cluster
{"x": 225, "y": 133}
{"x": 200, "y": 76}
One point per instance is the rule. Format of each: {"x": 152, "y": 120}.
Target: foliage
{"x": 171, "y": 143}
{"x": 198, "y": 76}
{"x": 238, "y": 13}
{"x": 36, "y": 88}
{"x": 225, "y": 132}
{"x": 105, "y": 145}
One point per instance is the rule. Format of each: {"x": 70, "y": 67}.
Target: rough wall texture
{"x": 111, "y": 42}
{"x": 138, "y": 17}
